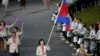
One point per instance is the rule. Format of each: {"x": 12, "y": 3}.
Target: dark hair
{"x": 40, "y": 41}
{"x": 84, "y": 25}
{"x": 80, "y": 20}
{"x": 16, "y": 28}
{"x": 3, "y": 22}
{"x": 13, "y": 32}
{"x": 92, "y": 26}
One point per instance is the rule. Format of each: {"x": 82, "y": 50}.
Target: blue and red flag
{"x": 63, "y": 15}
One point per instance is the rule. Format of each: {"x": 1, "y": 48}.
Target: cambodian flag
{"x": 63, "y": 15}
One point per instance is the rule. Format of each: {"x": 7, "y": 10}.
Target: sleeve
{"x": 9, "y": 33}
{"x": 20, "y": 33}
{"x": 9, "y": 26}
{"x": 38, "y": 52}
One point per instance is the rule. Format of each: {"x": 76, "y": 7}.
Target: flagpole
{"x": 53, "y": 27}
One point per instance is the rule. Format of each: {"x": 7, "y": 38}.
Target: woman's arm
{"x": 9, "y": 26}
{"x": 9, "y": 33}
{"x": 21, "y": 32}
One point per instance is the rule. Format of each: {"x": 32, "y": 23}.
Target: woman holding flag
{"x": 42, "y": 48}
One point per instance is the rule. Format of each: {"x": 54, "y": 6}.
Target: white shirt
{"x": 98, "y": 34}
{"x": 84, "y": 31}
{"x": 13, "y": 47}
{"x": 64, "y": 28}
{"x": 74, "y": 25}
{"x": 79, "y": 27}
{"x": 39, "y": 51}
{"x": 92, "y": 33}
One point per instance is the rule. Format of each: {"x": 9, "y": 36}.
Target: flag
{"x": 63, "y": 15}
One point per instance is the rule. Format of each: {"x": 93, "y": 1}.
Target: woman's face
{"x": 81, "y": 46}
{"x": 41, "y": 42}
{"x": 15, "y": 30}
{"x": 98, "y": 22}
{"x": 13, "y": 34}
{"x": 75, "y": 19}
{"x": 90, "y": 27}
{"x": 2, "y": 23}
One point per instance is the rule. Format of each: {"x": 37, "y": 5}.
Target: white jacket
{"x": 39, "y": 51}
{"x": 13, "y": 47}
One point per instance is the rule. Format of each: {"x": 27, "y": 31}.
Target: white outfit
{"x": 79, "y": 28}
{"x": 98, "y": 35}
{"x": 13, "y": 46}
{"x": 92, "y": 33}
{"x": 64, "y": 28}
{"x": 40, "y": 52}
{"x": 74, "y": 25}
{"x": 83, "y": 33}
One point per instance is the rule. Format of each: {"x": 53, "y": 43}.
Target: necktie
{"x": 14, "y": 41}
{"x": 43, "y": 49}
{"x": 2, "y": 29}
